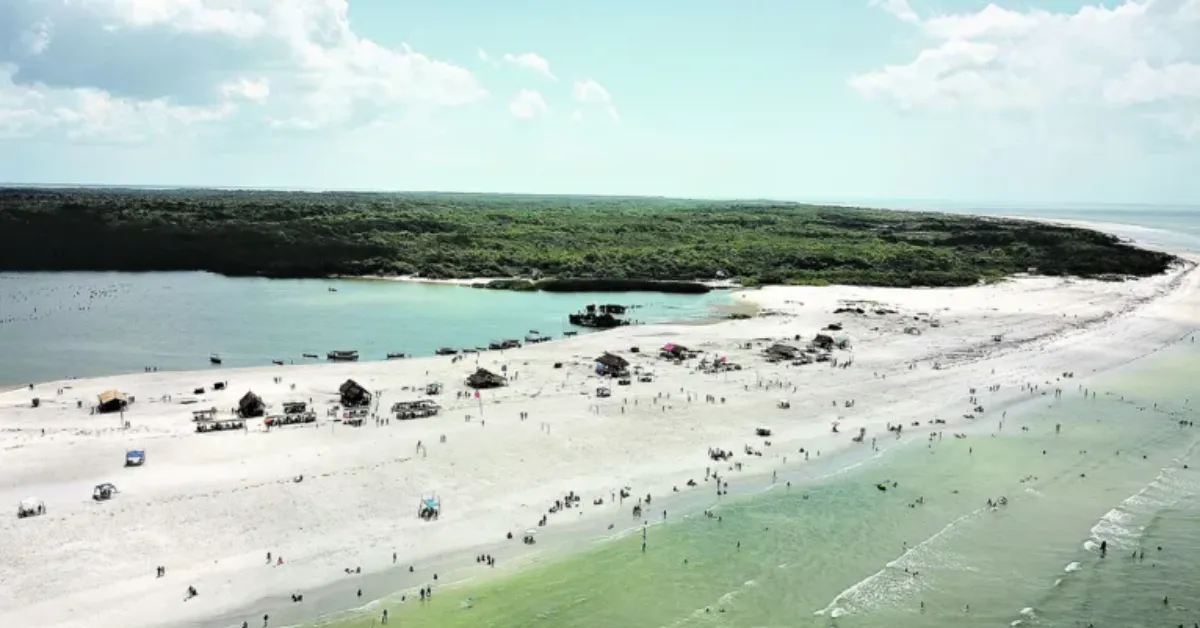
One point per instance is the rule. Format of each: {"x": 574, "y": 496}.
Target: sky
{"x": 1014, "y": 101}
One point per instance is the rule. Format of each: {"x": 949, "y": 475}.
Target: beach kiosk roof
{"x": 112, "y": 400}
{"x": 135, "y": 457}
{"x": 251, "y": 405}
{"x": 483, "y": 378}
{"x": 612, "y": 361}
{"x": 353, "y": 394}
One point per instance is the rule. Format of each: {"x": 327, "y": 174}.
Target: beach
{"x": 325, "y": 498}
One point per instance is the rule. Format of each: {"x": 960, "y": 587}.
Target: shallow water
{"x": 840, "y": 552}
{"x": 56, "y": 325}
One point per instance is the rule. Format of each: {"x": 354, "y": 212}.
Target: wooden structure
{"x": 30, "y": 507}
{"x": 113, "y": 401}
{"x": 420, "y": 409}
{"x": 354, "y": 395}
{"x": 611, "y": 364}
{"x": 823, "y": 341}
{"x": 251, "y": 405}
{"x": 483, "y": 378}
{"x": 295, "y": 418}
{"x": 103, "y": 492}
{"x": 219, "y": 425}
{"x": 433, "y": 388}
{"x": 782, "y": 352}
{"x": 603, "y": 392}
{"x": 672, "y": 351}
{"x": 204, "y": 415}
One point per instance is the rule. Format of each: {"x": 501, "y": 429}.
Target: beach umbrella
{"x": 531, "y": 532}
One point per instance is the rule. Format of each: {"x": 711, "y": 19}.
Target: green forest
{"x": 299, "y": 234}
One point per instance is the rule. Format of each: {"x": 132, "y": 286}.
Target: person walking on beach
{"x": 384, "y": 620}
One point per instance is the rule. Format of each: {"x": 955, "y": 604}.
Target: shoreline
{"x": 496, "y": 480}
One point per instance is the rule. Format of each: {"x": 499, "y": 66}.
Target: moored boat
{"x": 214, "y": 359}
{"x": 342, "y": 356}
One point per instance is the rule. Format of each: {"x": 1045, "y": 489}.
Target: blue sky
{"x": 1024, "y": 101}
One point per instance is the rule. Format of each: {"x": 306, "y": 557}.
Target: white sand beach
{"x": 209, "y": 507}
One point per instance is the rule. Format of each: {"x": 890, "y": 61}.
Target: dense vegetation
{"x": 294, "y": 234}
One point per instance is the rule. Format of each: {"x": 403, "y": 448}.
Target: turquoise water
{"x": 836, "y": 551}
{"x": 55, "y": 325}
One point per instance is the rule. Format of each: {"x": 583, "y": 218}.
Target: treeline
{"x": 297, "y": 234}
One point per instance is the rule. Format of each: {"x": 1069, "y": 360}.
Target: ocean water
{"x": 834, "y": 550}
{"x": 56, "y": 325}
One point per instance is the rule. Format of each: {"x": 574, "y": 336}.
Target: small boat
{"x": 214, "y": 358}
{"x": 277, "y": 362}
{"x": 332, "y": 289}
{"x": 396, "y": 356}
{"x": 311, "y": 355}
{"x": 342, "y": 356}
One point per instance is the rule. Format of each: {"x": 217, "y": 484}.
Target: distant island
{"x": 538, "y": 242}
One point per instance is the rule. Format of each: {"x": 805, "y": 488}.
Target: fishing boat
{"x": 311, "y": 355}
{"x": 396, "y": 356}
{"x": 214, "y": 358}
{"x": 342, "y": 356}
{"x": 277, "y": 362}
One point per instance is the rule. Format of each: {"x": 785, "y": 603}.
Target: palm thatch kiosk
{"x": 483, "y": 378}
{"x": 782, "y": 352}
{"x": 611, "y": 364}
{"x": 251, "y": 405}
{"x": 113, "y": 401}
{"x": 823, "y": 341}
{"x": 354, "y": 395}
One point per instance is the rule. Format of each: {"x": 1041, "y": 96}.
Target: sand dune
{"x": 209, "y": 507}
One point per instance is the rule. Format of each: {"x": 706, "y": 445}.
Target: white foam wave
{"x": 889, "y": 583}
{"x": 1073, "y": 566}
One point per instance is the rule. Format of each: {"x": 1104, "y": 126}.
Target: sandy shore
{"x": 209, "y": 507}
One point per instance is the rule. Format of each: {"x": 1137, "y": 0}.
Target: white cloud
{"x": 577, "y": 116}
{"x": 531, "y": 61}
{"x": 252, "y": 90}
{"x": 898, "y": 8}
{"x": 528, "y": 104}
{"x": 483, "y": 55}
{"x": 589, "y": 92}
{"x": 192, "y": 62}
{"x": 1138, "y": 53}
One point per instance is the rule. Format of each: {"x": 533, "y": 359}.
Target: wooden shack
{"x": 113, "y": 401}
{"x": 418, "y": 409}
{"x": 251, "y": 405}
{"x": 483, "y": 378}
{"x": 823, "y": 341}
{"x": 782, "y": 352}
{"x": 354, "y": 395}
{"x": 611, "y": 364}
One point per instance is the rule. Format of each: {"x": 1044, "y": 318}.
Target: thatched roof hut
{"x": 823, "y": 341}
{"x": 354, "y": 395}
{"x": 251, "y": 405}
{"x": 783, "y": 351}
{"x": 483, "y": 378}
{"x": 112, "y": 401}
{"x": 613, "y": 361}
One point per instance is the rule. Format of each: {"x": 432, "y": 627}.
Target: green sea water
{"x": 837, "y": 551}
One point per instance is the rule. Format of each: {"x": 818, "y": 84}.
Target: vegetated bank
{"x": 557, "y": 242}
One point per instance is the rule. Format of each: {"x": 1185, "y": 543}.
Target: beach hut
{"x": 135, "y": 457}
{"x": 823, "y": 341}
{"x": 430, "y": 508}
{"x": 434, "y": 388}
{"x": 674, "y": 351}
{"x": 251, "y": 405}
{"x": 611, "y": 364}
{"x": 113, "y": 401}
{"x": 103, "y": 492}
{"x": 30, "y": 507}
{"x": 782, "y": 352}
{"x": 294, "y": 407}
{"x": 483, "y": 378}
{"x": 354, "y": 395}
